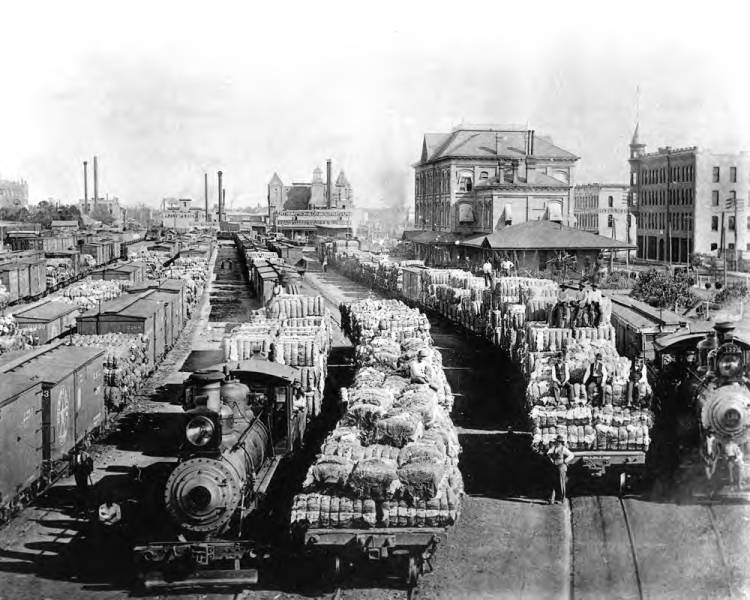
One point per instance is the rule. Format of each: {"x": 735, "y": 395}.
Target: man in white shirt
{"x": 419, "y": 368}
{"x": 487, "y": 272}
{"x": 733, "y": 454}
{"x": 507, "y": 267}
{"x": 560, "y": 456}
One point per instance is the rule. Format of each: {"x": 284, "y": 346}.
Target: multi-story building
{"x": 685, "y": 198}
{"x": 297, "y": 210}
{"x": 309, "y": 195}
{"x": 602, "y": 208}
{"x": 176, "y": 214}
{"x": 476, "y": 179}
{"x": 13, "y": 194}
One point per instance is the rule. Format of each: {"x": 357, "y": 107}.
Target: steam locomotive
{"x": 718, "y": 390}
{"x": 239, "y": 425}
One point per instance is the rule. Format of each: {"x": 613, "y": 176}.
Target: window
{"x": 732, "y": 199}
{"x": 731, "y": 223}
{"x": 714, "y": 246}
{"x": 610, "y": 201}
{"x": 748, "y": 222}
{"x": 730, "y": 246}
{"x": 465, "y": 181}
{"x": 716, "y": 174}
{"x": 610, "y": 220}
{"x": 714, "y": 223}
{"x": 747, "y": 247}
{"x": 733, "y": 174}
{"x": 715, "y": 198}
{"x": 484, "y": 176}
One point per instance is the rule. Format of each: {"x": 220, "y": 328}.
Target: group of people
{"x": 108, "y": 520}
{"x": 594, "y": 379}
{"x": 488, "y": 271}
{"x": 713, "y": 452}
{"x": 582, "y": 310}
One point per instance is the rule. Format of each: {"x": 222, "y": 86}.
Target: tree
{"x": 663, "y": 290}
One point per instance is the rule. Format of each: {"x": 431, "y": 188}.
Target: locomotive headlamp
{"x": 199, "y": 431}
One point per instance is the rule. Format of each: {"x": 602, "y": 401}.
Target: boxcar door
{"x": 89, "y": 399}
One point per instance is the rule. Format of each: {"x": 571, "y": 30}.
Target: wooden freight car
{"x": 20, "y": 440}
{"x": 24, "y": 279}
{"x": 72, "y": 398}
{"x": 130, "y": 314}
{"x": 48, "y": 320}
{"x": 133, "y": 272}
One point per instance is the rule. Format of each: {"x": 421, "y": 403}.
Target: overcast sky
{"x": 163, "y": 92}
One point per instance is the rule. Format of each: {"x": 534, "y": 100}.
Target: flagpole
{"x": 723, "y": 247}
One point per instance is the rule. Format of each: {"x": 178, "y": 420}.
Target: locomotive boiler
{"x": 239, "y": 424}
{"x": 721, "y": 390}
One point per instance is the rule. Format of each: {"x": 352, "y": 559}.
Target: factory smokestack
{"x": 220, "y": 195}
{"x": 329, "y": 183}
{"x": 85, "y": 187}
{"x": 205, "y": 193}
{"x": 224, "y": 203}
{"x": 96, "y": 181}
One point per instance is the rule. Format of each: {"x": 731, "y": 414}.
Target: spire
{"x": 635, "y": 141}
{"x": 275, "y": 179}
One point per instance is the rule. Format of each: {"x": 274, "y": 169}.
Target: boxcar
{"x": 128, "y": 314}
{"x": 72, "y": 394}
{"x": 49, "y": 319}
{"x": 20, "y": 438}
{"x": 96, "y": 250}
{"x": 177, "y": 288}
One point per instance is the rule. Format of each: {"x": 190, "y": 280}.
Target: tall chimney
{"x": 205, "y": 192}
{"x": 220, "y": 195}
{"x": 85, "y": 187}
{"x": 224, "y": 203}
{"x": 329, "y": 183}
{"x": 96, "y": 182}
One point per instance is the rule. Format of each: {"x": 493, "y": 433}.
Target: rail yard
{"x": 245, "y": 426}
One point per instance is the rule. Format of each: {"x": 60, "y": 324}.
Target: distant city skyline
{"x": 159, "y": 109}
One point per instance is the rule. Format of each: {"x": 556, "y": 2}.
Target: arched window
{"x": 484, "y": 176}
{"x": 465, "y": 181}
{"x": 610, "y": 201}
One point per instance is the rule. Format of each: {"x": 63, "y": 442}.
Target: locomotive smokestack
{"x": 85, "y": 187}
{"x": 329, "y": 183}
{"x": 220, "y": 195}
{"x": 205, "y": 192}
{"x": 96, "y": 181}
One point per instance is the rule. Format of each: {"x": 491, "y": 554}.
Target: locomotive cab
{"x": 240, "y": 422}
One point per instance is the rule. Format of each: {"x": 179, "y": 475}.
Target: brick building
{"x": 476, "y": 179}
{"x": 602, "y": 208}
{"x": 684, "y": 196}
{"x": 299, "y": 209}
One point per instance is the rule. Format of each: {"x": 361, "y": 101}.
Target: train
{"x": 240, "y": 423}
{"x": 712, "y": 398}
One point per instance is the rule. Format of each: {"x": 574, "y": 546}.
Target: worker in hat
{"x": 561, "y": 378}
{"x": 560, "y": 456}
{"x": 595, "y": 378}
{"x": 709, "y": 453}
{"x": 419, "y": 368}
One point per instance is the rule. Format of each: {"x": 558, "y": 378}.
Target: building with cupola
{"x": 299, "y": 209}
{"x": 689, "y": 200}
